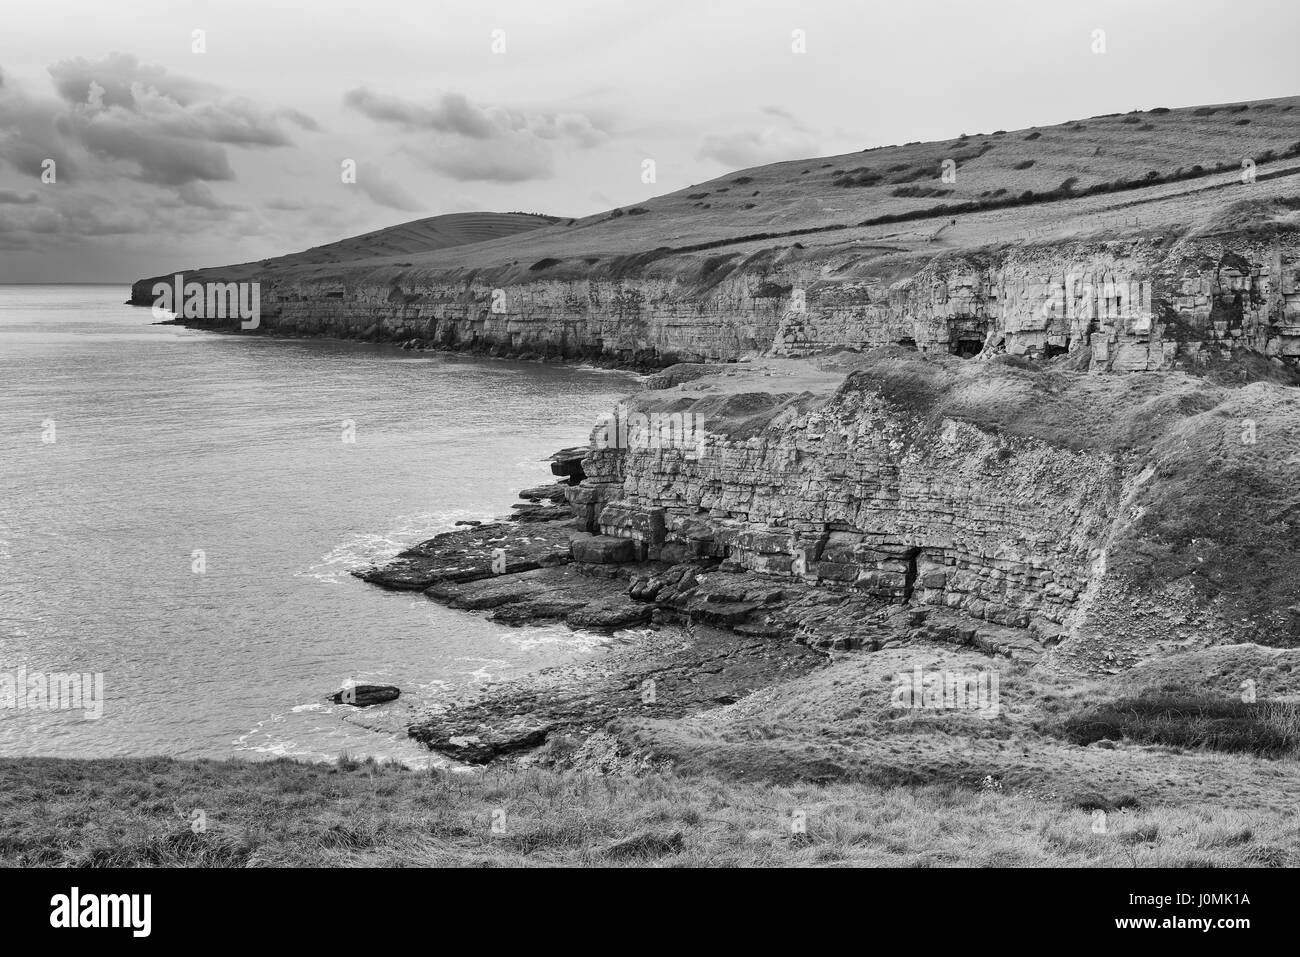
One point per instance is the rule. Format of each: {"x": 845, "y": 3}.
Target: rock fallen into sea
{"x": 553, "y": 492}
{"x": 567, "y": 464}
{"x": 363, "y": 696}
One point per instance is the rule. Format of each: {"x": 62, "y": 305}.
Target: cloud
{"x": 118, "y": 75}
{"x": 300, "y": 119}
{"x": 453, "y": 113}
{"x": 738, "y": 149}
{"x": 161, "y": 159}
{"x": 287, "y": 205}
{"x": 78, "y": 217}
{"x": 783, "y": 113}
{"x": 200, "y": 195}
{"x": 513, "y": 159}
{"x": 136, "y": 150}
{"x": 136, "y": 120}
{"x": 385, "y": 192}
{"x": 487, "y": 143}
{"x": 31, "y": 131}
{"x": 578, "y": 127}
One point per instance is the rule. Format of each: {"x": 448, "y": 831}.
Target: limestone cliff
{"x": 1116, "y": 517}
{"x": 1136, "y": 304}
{"x": 1047, "y": 241}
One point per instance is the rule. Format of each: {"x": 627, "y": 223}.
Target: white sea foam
{"x": 365, "y": 549}
{"x": 559, "y": 637}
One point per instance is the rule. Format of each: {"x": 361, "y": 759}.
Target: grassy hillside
{"x": 1100, "y": 176}
{"x": 418, "y": 238}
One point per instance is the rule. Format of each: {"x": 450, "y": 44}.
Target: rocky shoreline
{"x": 704, "y": 633}
{"x": 535, "y": 567}
{"x": 871, "y": 502}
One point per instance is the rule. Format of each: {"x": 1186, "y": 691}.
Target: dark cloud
{"x": 120, "y": 77}
{"x": 139, "y": 120}
{"x": 489, "y": 143}
{"x": 32, "y": 131}
{"x": 77, "y": 217}
{"x": 159, "y": 158}
{"x": 136, "y": 149}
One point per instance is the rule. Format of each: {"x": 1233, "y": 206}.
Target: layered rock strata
{"x": 1130, "y": 305}
{"x": 1013, "y": 497}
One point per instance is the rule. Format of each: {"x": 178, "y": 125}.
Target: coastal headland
{"x": 969, "y": 491}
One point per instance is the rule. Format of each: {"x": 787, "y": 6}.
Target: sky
{"x": 174, "y": 150}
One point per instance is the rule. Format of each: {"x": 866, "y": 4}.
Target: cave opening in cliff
{"x": 966, "y": 348}
{"x": 909, "y": 573}
{"x": 1051, "y": 352}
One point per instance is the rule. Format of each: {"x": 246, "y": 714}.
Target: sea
{"x": 180, "y": 512}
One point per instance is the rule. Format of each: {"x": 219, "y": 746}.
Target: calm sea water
{"x": 168, "y": 442}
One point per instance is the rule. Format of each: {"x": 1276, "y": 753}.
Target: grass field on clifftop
{"x": 139, "y": 813}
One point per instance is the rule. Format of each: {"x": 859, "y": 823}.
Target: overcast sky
{"x": 169, "y": 158}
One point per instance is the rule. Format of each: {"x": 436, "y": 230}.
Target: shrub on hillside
{"x": 919, "y": 191}
{"x": 1179, "y": 719}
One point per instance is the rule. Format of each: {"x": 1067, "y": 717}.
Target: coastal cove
{"x": 180, "y": 511}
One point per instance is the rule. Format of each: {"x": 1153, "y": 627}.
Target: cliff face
{"x": 939, "y": 513}
{"x": 646, "y": 322}
{"x": 1136, "y": 305}
{"x": 1034, "y": 500}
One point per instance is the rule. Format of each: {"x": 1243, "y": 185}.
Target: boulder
{"x": 550, "y": 493}
{"x": 603, "y": 549}
{"x": 363, "y": 696}
{"x": 567, "y": 464}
